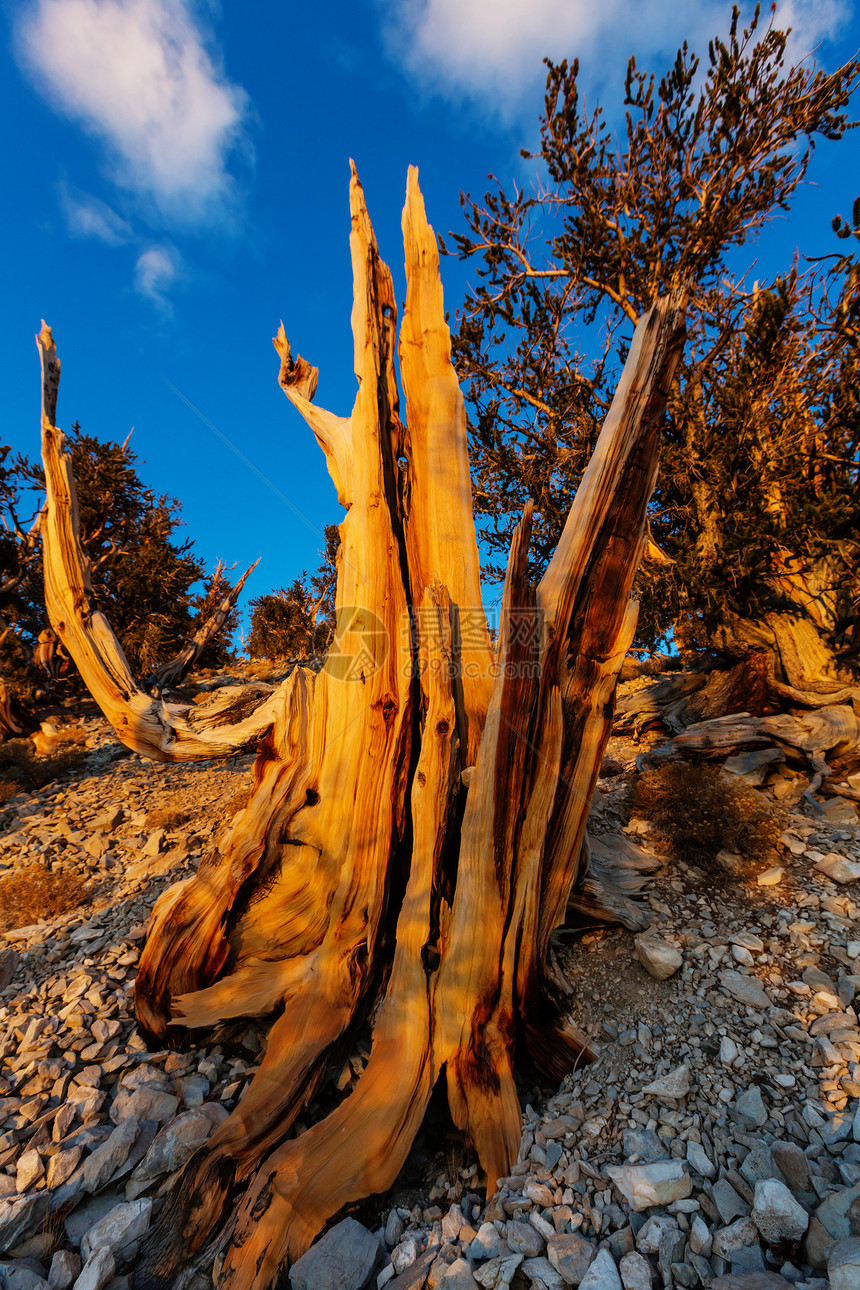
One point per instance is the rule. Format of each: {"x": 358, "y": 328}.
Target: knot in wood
{"x": 430, "y": 957}
{"x": 388, "y": 708}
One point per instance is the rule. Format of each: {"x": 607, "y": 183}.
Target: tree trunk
{"x": 795, "y": 638}
{"x": 418, "y": 785}
{"x": 785, "y": 659}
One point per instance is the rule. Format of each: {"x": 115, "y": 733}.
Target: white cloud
{"x": 137, "y": 74}
{"x": 156, "y": 271}
{"x": 87, "y": 216}
{"x": 488, "y": 46}
{"x": 811, "y": 22}
{"x": 492, "y": 50}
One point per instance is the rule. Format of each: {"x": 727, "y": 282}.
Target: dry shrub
{"x": 8, "y": 788}
{"x": 700, "y": 811}
{"x": 167, "y": 817}
{"x": 34, "y": 892}
{"x": 23, "y": 769}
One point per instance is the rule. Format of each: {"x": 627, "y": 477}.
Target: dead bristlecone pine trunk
{"x": 419, "y": 805}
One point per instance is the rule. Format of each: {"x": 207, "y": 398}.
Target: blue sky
{"x": 176, "y": 179}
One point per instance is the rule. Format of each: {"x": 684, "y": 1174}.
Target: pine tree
{"x": 776, "y": 421}
{"x": 142, "y": 576}
{"x": 19, "y": 559}
{"x": 298, "y": 621}
{"x": 568, "y": 269}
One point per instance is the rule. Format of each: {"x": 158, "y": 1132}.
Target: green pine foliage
{"x": 298, "y": 621}
{"x": 143, "y": 573}
{"x": 760, "y": 464}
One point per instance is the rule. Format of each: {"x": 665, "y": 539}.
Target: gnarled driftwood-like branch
{"x": 166, "y": 732}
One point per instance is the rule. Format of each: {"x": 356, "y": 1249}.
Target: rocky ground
{"x": 715, "y": 1142}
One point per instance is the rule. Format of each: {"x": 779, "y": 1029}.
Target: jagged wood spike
{"x": 585, "y": 595}
{"x": 331, "y": 847}
{"x": 439, "y": 521}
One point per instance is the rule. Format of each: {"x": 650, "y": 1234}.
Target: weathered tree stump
{"x": 417, "y": 784}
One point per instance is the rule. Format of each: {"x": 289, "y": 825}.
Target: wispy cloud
{"x": 812, "y": 22}
{"x": 491, "y": 50}
{"x": 156, "y": 271}
{"x": 138, "y": 74}
{"x": 88, "y": 216}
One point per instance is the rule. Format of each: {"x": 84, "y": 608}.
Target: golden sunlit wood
{"x": 417, "y": 761}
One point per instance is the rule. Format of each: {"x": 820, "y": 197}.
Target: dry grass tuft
{"x": 54, "y": 1230}
{"x": 236, "y": 803}
{"x": 700, "y": 811}
{"x": 34, "y": 892}
{"x": 48, "y": 739}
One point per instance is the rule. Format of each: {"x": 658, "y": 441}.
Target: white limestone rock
{"x": 120, "y": 1230}
{"x": 602, "y": 1274}
{"x": 97, "y": 1271}
{"x": 776, "y": 1214}
{"x": 65, "y": 1270}
{"x": 843, "y": 1264}
{"x": 838, "y": 869}
{"x": 635, "y": 1272}
{"x": 659, "y": 957}
{"x": 645, "y": 1185}
{"x": 675, "y": 1084}
{"x": 342, "y": 1260}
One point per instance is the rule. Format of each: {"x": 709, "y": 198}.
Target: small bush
{"x": 167, "y": 817}
{"x": 34, "y": 892}
{"x": 700, "y": 811}
{"x": 21, "y": 767}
